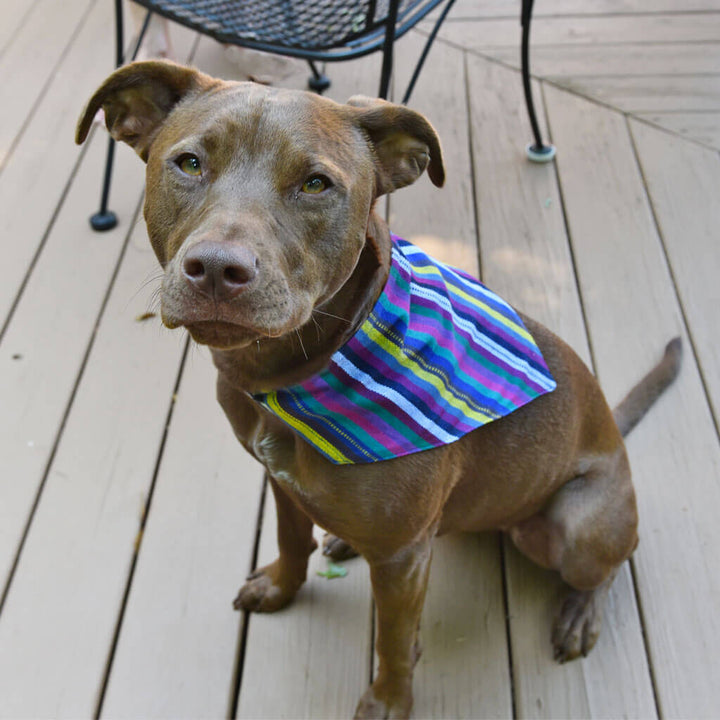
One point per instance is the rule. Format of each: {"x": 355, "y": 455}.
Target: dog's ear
{"x": 405, "y": 143}
{"x": 137, "y": 98}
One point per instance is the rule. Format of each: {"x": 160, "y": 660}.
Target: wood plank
{"x": 683, "y": 179}
{"x": 31, "y": 60}
{"x": 39, "y": 384}
{"x": 464, "y": 671}
{"x": 442, "y": 221}
{"x": 526, "y": 258}
{"x": 316, "y": 650}
{"x": 641, "y": 94}
{"x": 655, "y": 28}
{"x": 14, "y": 14}
{"x": 481, "y": 9}
{"x": 616, "y": 247}
{"x": 59, "y": 618}
{"x": 522, "y": 232}
{"x": 178, "y": 639}
{"x": 564, "y": 61}
{"x": 319, "y": 649}
{"x": 702, "y": 127}
{"x": 43, "y": 159}
{"x": 43, "y": 348}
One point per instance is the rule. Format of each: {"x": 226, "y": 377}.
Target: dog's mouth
{"x": 222, "y": 335}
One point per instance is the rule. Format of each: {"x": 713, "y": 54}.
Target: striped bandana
{"x": 438, "y": 356}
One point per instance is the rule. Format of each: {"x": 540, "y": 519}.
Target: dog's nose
{"x": 220, "y": 270}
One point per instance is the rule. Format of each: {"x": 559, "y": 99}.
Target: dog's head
{"x": 258, "y": 199}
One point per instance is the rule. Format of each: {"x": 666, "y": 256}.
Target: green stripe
{"x": 305, "y": 430}
{"x": 396, "y": 350}
{"x": 497, "y": 368}
{"x": 362, "y": 401}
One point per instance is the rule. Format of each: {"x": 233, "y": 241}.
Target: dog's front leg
{"x": 399, "y": 586}
{"x": 272, "y": 587}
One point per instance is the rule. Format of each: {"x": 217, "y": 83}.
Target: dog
{"x": 260, "y": 209}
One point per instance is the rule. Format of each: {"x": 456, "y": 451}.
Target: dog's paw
{"x": 264, "y": 592}
{"x": 378, "y": 703}
{"x": 337, "y": 549}
{"x": 577, "y": 625}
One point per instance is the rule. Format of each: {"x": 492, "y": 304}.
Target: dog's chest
{"x": 275, "y": 451}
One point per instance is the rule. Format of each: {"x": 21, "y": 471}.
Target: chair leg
{"x": 105, "y": 219}
{"x": 387, "y": 63}
{"x": 537, "y": 151}
{"x": 426, "y": 50}
{"x": 318, "y": 82}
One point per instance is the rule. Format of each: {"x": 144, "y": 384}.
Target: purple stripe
{"x": 484, "y": 377}
{"x": 371, "y": 427}
{"x": 517, "y": 345}
{"x": 421, "y": 390}
{"x": 401, "y": 300}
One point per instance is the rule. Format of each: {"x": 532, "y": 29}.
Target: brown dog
{"x": 259, "y": 207}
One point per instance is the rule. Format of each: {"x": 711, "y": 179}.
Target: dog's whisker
{"x": 318, "y": 328}
{"x": 154, "y": 299}
{"x": 337, "y": 317}
{"x": 152, "y": 277}
{"x": 297, "y": 332}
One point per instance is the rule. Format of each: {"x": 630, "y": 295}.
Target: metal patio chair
{"x": 317, "y": 31}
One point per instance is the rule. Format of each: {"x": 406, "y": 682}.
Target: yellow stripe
{"x": 414, "y": 369}
{"x": 436, "y": 371}
{"x": 456, "y": 289}
{"x": 317, "y": 440}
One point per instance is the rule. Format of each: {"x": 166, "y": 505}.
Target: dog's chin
{"x": 222, "y": 335}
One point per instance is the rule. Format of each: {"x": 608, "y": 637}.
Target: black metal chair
{"x": 318, "y": 31}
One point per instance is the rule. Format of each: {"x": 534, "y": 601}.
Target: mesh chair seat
{"x": 320, "y": 30}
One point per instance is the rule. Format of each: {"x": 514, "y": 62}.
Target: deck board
{"x": 562, "y": 62}
{"x": 613, "y": 247}
{"x": 68, "y": 590}
{"x": 30, "y": 61}
{"x": 652, "y": 59}
{"x": 617, "y": 247}
{"x": 700, "y": 127}
{"x": 464, "y": 670}
{"x": 322, "y": 645}
{"x": 34, "y": 177}
{"x": 46, "y": 342}
{"x": 526, "y": 257}
{"x": 682, "y": 181}
{"x": 176, "y": 649}
{"x": 480, "y": 10}
{"x": 15, "y": 14}
{"x": 593, "y": 30}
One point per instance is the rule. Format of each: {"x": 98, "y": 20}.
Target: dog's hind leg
{"x": 272, "y": 587}
{"x": 585, "y": 532}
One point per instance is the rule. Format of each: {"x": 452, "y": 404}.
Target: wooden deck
{"x": 128, "y": 513}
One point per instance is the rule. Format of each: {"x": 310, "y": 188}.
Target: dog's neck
{"x": 272, "y": 363}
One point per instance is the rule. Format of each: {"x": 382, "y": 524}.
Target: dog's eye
{"x": 189, "y": 164}
{"x": 315, "y": 184}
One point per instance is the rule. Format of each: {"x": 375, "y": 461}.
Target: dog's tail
{"x": 641, "y": 398}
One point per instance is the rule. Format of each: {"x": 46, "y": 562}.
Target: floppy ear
{"x": 405, "y": 143}
{"x": 137, "y": 99}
